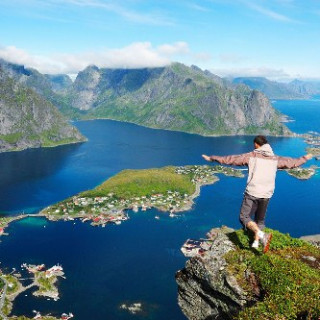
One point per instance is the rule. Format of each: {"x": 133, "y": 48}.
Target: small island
{"x": 44, "y": 279}
{"x": 302, "y": 173}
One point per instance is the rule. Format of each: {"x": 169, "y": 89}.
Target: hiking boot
{"x": 255, "y": 244}
{"x": 266, "y": 241}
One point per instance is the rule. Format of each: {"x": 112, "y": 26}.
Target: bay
{"x": 137, "y": 260}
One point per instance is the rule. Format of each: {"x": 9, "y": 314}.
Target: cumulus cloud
{"x": 135, "y": 55}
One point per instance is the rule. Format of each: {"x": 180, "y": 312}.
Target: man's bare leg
{"x": 251, "y": 225}
{"x": 259, "y": 235}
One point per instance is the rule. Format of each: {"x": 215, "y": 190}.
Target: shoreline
{"x": 116, "y": 211}
{"x": 192, "y": 133}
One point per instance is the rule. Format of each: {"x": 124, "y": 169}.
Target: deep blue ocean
{"x": 137, "y": 260}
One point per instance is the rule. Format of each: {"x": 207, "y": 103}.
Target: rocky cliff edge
{"x": 229, "y": 280}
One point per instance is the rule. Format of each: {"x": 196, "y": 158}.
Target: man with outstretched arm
{"x": 262, "y": 164}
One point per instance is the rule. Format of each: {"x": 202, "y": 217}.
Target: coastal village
{"x": 44, "y": 279}
{"x": 111, "y": 209}
{"x": 312, "y": 138}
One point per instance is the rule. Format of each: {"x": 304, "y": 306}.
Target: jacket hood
{"x": 265, "y": 150}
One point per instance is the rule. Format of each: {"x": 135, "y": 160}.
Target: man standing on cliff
{"x": 262, "y": 164}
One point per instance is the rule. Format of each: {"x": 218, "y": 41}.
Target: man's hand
{"x": 308, "y": 156}
{"x": 205, "y": 157}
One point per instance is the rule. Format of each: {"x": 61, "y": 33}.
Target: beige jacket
{"x": 263, "y": 165}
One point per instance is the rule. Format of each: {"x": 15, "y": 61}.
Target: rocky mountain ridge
{"x": 175, "y": 97}
{"x": 28, "y": 120}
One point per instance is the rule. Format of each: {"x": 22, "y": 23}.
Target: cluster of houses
{"x": 98, "y": 210}
{"x": 205, "y": 173}
{"x": 192, "y": 248}
{"x": 56, "y": 270}
{"x": 109, "y": 209}
{"x": 313, "y": 138}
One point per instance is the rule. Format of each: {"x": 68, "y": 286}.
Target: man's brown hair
{"x": 260, "y": 140}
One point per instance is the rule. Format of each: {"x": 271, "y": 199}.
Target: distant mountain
{"x": 28, "y": 120}
{"x": 276, "y": 90}
{"x": 175, "y": 97}
{"x": 305, "y": 88}
{"x": 51, "y": 87}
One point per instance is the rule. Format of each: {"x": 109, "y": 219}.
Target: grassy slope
{"x": 289, "y": 279}
{"x": 137, "y": 183}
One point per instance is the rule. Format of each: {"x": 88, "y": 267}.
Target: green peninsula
{"x": 170, "y": 189}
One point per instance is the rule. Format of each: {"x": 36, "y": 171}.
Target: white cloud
{"x": 172, "y": 49}
{"x": 135, "y": 55}
{"x": 266, "y": 72}
{"x": 113, "y": 6}
{"x": 267, "y": 12}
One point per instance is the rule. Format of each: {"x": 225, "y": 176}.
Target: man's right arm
{"x": 235, "y": 160}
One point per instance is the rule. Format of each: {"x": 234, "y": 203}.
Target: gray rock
{"x": 207, "y": 290}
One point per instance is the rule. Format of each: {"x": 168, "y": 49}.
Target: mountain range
{"x": 295, "y": 89}
{"x": 175, "y": 97}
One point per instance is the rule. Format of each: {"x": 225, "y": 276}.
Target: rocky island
{"x": 230, "y": 280}
{"x": 302, "y": 173}
{"x": 44, "y": 279}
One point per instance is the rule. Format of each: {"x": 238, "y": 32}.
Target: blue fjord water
{"x": 137, "y": 260}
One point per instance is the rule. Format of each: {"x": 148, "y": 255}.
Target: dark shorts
{"x": 253, "y": 209}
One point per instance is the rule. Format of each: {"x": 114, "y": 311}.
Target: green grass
{"x": 290, "y": 283}
{"x": 137, "y": 183}
{"x": 11, "y": 138}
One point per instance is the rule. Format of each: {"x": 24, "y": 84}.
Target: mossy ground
{"x": 288, "y": 277}
{"x": 137, "y": 183}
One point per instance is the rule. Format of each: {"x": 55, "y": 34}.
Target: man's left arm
{"x": 289, "y": 163}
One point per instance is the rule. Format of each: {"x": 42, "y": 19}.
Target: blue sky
{"x": 278, "y": 39}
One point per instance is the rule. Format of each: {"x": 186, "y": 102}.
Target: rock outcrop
{"x": 207, "y": 290}
{"x": 230, "y": 280}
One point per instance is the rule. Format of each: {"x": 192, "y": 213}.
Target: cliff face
{"x": 28, "y": 120}
{"x": 232, "y": 281}
{"x": 206, "y": 289}
{"x": 175, "y": 97}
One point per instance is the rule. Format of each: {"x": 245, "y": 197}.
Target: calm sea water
{"x": 137, "y": 260}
